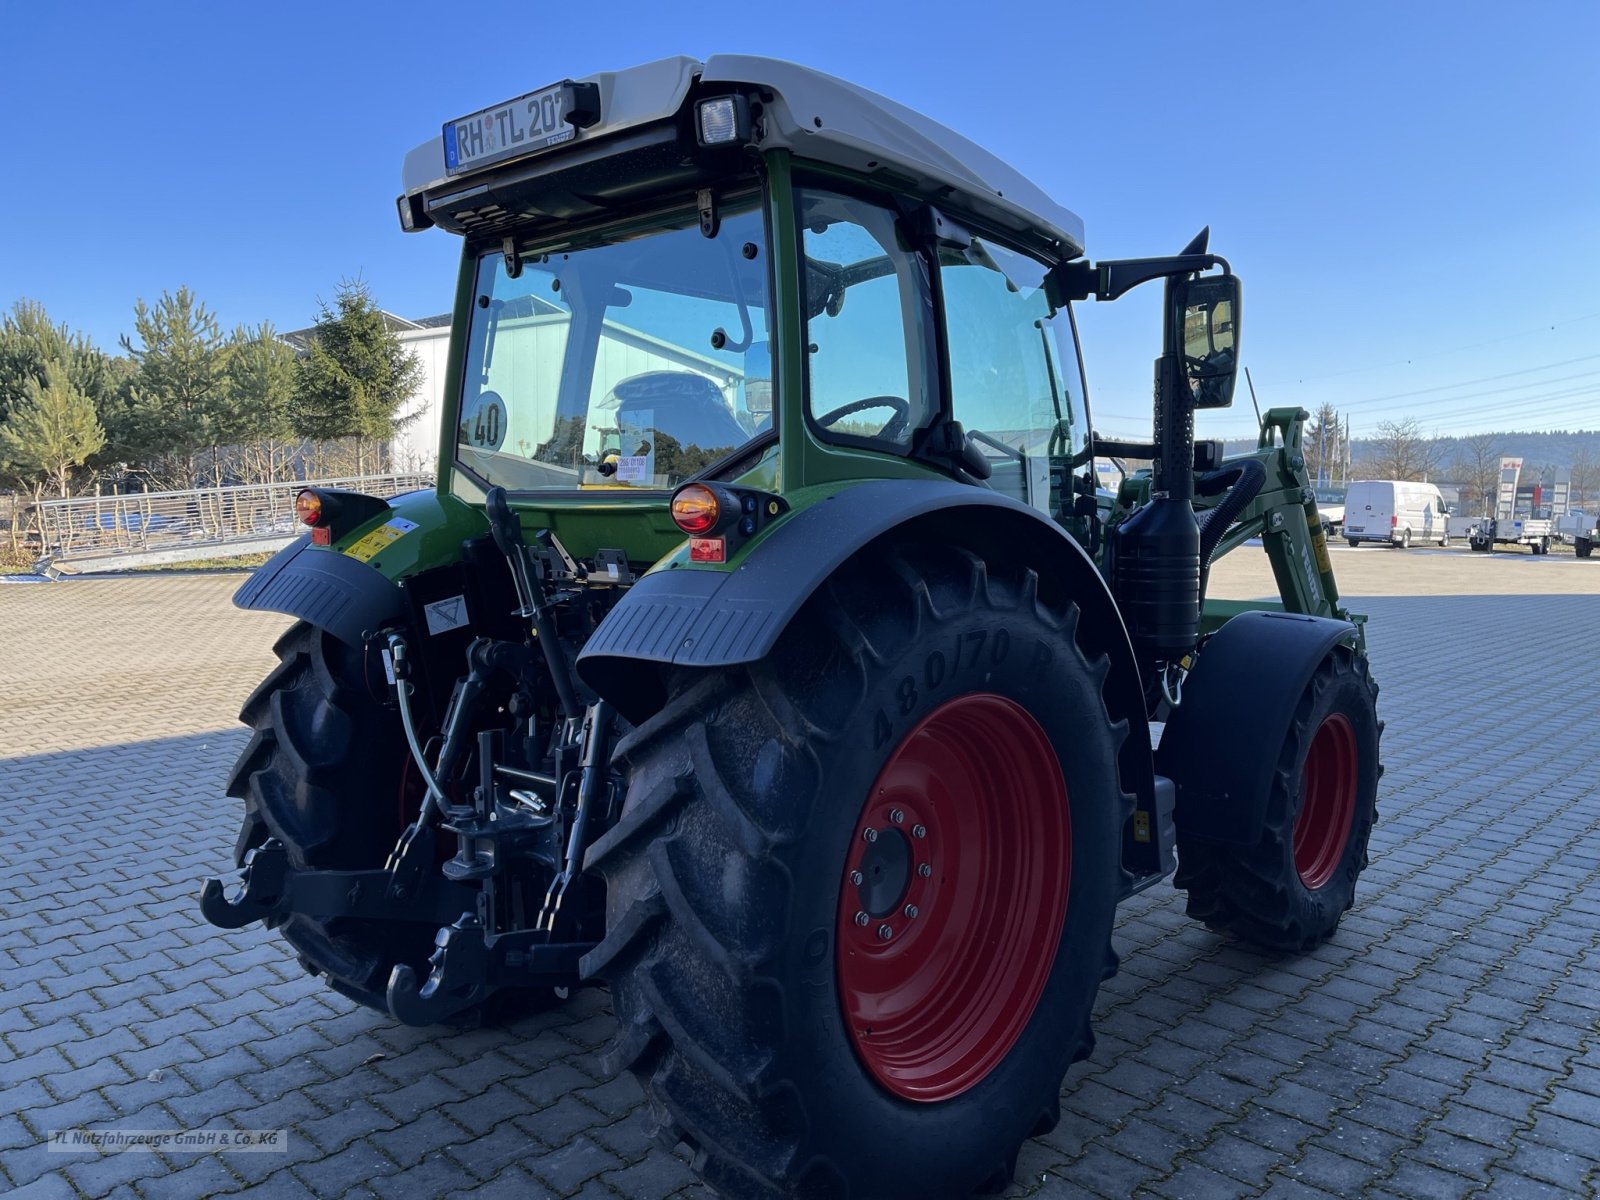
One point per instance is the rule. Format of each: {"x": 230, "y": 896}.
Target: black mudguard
{"x": 1221, "y": 744}
{"x": 329, "y": 590}
{"x": 691, "y": 618}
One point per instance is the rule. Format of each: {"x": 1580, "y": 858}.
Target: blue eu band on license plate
{"x": 525, "y": 125}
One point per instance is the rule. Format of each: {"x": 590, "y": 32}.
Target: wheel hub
{"x": 954, "y": 897}
{"x": 885, "y": 871}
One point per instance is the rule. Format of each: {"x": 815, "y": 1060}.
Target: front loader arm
{"x": 1283, "y": 515}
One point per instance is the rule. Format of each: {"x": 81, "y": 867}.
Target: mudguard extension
{"x": 329, "y": 590}
{"x": 692, "y": 618}
{"x": 1221, "y": 744}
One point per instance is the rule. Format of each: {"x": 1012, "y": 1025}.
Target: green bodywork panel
{"x": 442, "y": 524}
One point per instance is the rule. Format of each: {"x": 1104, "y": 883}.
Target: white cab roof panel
{"x": 820, "y": 118}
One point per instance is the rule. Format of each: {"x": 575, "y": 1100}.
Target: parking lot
{"x": 1445, "y": 1043}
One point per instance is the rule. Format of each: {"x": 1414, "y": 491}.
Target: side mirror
{"x": 758, "y": 379}
{"x": 1209, "y": 316}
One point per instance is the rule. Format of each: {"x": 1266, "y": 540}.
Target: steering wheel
{"x": 891, "y": 431}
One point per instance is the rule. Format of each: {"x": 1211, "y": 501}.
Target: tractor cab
{"x": 744, "y": 269}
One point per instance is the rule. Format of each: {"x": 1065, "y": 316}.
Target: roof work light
{"x": 724, "y": 121}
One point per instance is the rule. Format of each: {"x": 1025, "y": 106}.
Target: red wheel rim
{"x": 960, "y": 864}
{"x": 1328, "y": 802}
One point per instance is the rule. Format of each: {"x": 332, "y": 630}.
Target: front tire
{"x": 795, "y": 1048}
{"x": 1289, "y": 890}
{"x": 1583, "y": 547}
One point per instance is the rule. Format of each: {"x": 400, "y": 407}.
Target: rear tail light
{"x": 1394, "y": 522}
{"x": 308, "y": 508}
{"x": 697, "y": 510}
{"x": 719, "y": 519}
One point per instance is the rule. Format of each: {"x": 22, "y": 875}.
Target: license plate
{"x": 1352, "y": 528}
{"x": 522, "y": 126}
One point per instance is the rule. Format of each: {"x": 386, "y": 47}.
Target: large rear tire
{"x": 1290, "y": 889}
{"x": 927, "y": 747}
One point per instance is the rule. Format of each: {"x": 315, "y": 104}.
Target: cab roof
{"x": 816, "y": 116}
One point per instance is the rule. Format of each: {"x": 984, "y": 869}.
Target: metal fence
{"x": 141, "y": 522}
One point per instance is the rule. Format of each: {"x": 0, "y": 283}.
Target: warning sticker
{"x": 370, "y": 544}
{"x": 445, "y": 615}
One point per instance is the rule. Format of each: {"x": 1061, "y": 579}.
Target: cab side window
{"x": 868, "y": 323}
{"x": 1006, "y": 384}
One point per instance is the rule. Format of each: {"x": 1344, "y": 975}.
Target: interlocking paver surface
{"x": 1445, "y": 1043}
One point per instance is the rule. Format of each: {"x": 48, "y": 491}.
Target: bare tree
{"x": 1478, "y": 465}
{"x": 1400, "y": 450}
{"x": 1585, "y": 475}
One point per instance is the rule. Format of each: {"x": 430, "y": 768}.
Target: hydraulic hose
{"x": 1242, "y": 480}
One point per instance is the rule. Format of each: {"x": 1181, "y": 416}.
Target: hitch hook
{"x": 457, "y": 979}
{"x": 262, "y": 890}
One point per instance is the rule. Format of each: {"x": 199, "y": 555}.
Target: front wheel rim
{"x": 954, "y": 897}
{"x": 1327, "y": 801}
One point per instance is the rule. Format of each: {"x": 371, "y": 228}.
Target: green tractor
{"x": 768, "y": 651}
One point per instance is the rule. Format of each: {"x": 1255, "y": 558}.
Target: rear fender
{"x": 325, "y": 588}
{"x": 697, "y": 618}
{"x": 1221, "y": 744}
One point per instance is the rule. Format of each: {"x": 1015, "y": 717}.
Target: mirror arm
{"x": 1116, "y": 277}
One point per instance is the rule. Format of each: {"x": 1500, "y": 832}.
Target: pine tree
{"x": 177, "y": 398}
{"x": 357, "y": 376}
{"x": 50, "y": 430}
{"x": 260, "y": 378}
{"x": 29, "y": 340}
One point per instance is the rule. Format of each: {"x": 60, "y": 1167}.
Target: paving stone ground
{"x": 1445, "y": 1043}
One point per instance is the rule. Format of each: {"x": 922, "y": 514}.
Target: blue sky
{"x": 1410, "y": 191}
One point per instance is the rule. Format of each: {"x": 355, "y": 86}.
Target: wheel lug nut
{"x": 885, "y": 933}
{"x": 870, "y": 834}
{"x": 897, "y": 816}
{"x": 925, "y": 870}
{"x": 911, "y": 912}
{"x": 920, "y": 831}
{"x": 856, "y": 877}
{"x": 862, "y": 918}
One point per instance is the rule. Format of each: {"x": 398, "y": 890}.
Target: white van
{"x": 1394, "y": 511}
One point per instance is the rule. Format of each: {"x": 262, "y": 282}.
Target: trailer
{"x": 1522, "y": 518}
{"x": 1581, "y": 529}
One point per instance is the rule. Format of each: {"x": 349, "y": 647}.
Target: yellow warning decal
{"x": 372, "y": 543}
{"x": 1319, "y": 544}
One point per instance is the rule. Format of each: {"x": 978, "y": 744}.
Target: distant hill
{"x": 1537, "y": 450}
{"x": 1557, "y": 450}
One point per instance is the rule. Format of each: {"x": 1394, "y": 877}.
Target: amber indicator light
{"x": 695, "y": 511}
{"x": 308, "y": 507}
